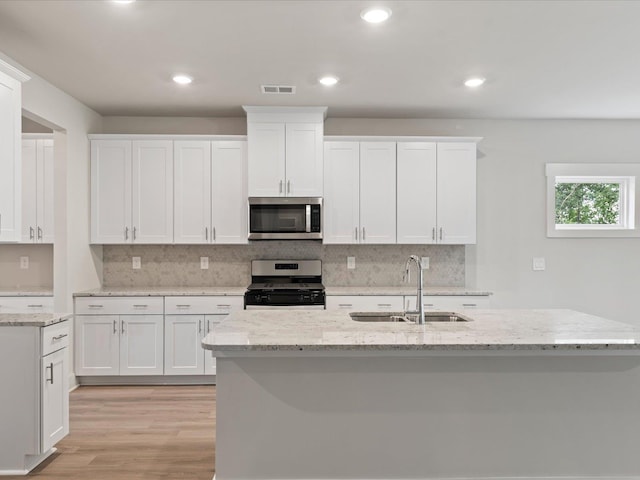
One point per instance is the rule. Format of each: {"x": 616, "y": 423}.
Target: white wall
{"x": 76, "y": 266}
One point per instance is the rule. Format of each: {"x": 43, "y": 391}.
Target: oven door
{"x": 290, "y": 218}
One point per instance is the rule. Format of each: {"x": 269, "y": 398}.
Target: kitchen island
{"x": 511, "y": 393}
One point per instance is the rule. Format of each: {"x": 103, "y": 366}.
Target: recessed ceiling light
{"x": 375, "y": 15}
{"x": 328, "y": 80}
{"x": 474, "y": 82}
{"x": 182, "y": 79}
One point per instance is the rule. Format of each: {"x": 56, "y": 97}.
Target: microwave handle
{"x": 308, "y": 215}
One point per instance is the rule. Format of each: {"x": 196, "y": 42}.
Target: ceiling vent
{"x": 279, "y": 89}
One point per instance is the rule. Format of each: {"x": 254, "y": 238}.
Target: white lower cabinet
{"x": 119, "y": 336}
{"x": 188, "y": 320}
{"x": 368, "y": 303}
{"x": 55, "y": 398}
{"x": 448, "y": 302}
{"x": 26, "y": 304}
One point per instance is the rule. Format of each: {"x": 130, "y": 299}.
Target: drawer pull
{"x": 183, "y": 306}
{"x": 140, "y": 306}
{"x": 345, "y": 305}
{"x": 469, "y": 304}
{"x": 96, "y": 306}
{"x": 50, "y": 379}
{"x": 60, "y": 337}
{"x": 223, "y": 306}
{"x": 35, "y": 306}
{"x": 384, "y": 304}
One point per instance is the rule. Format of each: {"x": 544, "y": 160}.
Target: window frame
{"x": 625, "y": 174}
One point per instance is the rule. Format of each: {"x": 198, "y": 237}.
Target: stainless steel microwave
{"x": 285, "y": 218}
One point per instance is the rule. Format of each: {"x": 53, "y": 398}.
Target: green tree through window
{"x": 587, "y": 203}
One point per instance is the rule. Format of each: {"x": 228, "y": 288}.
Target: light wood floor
{"x": 136, "y": 433}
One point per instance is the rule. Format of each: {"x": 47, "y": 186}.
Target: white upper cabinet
{"x": 210, "y": 191}
{"x": 229, "y": 192}
{"x": 131, "y": 191}
{"x": 416, "y": 165}
{"x": 285, "y": 151}
{"x": 378, "y": 192}
{"x": 37, "y": 190}
{"x": 456, "y": 198}
{"x": 341, "y": 192}
{"x": 10, "y": 152}
{"x": 360, "y": 192}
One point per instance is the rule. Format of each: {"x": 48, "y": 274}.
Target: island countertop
{"x": 489, "y": 330}
{"x": 32, "y": 319}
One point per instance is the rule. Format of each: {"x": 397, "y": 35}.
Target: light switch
{"x": 24, "y": 263}
{"x": 136, "y": 264}
{"x": 539, "y": 263}
{"x": 351, "y": 263}
{"x": 204, "y": 263}
{"x": 425, "y": 263}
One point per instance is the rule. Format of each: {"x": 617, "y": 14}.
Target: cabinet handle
{"x": 96, "y": 306}
{"x": 363, "y": 234}
{"x": 440, "y": 233}
{"x": 31, "y": 233}
{"x": 134, "y": 233}
{"x": 433, "y": 233}
{"x": 140, "y": 306}
{"x": 60, "y": 337}
{"x": 345, "y": 305}
{"x": 39, "y": 233}
{"x": 222, "y": 305}
{"x": 126, "y": 233}
{"x": 214, "y": 234}
{"x": 356, "y": 234}
{"x": 469, "y": 304}
{"x": 288, "y": 186}
{"x": 122, "y": 326}
{"x": 34, "y": 306}
{"x": 280, "y": 187}
{"x": 50, "y": 379}
{"x": 206, "y": 233}
{"x": 199, "y": 326}
{"x": 208, "y": 326}
{"x": 115, "y": 327}
{"x": 183, "y": 306}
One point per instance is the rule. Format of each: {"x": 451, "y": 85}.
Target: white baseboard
{"x": 73, "y": 382}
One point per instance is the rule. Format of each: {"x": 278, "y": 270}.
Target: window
{"x": 592, "y": 200}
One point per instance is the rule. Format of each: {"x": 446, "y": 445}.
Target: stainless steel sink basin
{"x": 401, "y": 317}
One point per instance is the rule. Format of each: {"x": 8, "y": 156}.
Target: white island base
{"x": 428, "y": 415}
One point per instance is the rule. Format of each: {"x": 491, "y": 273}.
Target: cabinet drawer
{"x": 202, "y": 305}
{"x": 448, "y": 302}
{"x": 353, "y": 303}
{"x": 55, "y": 337}
{"x": 119, "y": 306}
{"x": 26, "y": 304}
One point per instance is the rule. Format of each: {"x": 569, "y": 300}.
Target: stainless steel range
{"x": 285, "y": 284}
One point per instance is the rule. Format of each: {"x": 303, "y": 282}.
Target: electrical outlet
{"x": 425, "y": 263}
{"x": 24, "y": 263}
{"x": 538, "y": 263}
{"x": 204, "y": 263}
{"x": 351, "y": 263}
{"x": 136, "y": 264}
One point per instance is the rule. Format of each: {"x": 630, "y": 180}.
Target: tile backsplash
{"x": 229, "y": 265}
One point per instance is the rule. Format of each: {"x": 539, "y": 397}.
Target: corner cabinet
{"x": 131, "y": 191}
{"x": 10, "y": 152}
{"x": 285, "y": 148}
{"x": 37, "y": 189}
{"x": 210, "y": 190}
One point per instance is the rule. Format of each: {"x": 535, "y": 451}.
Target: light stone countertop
{"x": 32, "y": 319}
{"x": 26, "y": 292}
{"x": 255, "y": 331}
{"x": 160, "y": 291}
{"x": 410, "y": 289}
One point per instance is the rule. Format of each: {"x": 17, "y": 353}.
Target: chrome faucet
{"x": 407, "y": 277}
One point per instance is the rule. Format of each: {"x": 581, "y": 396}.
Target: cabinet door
{"x": 141, "y": 344}
{"x": 110, "y": 191}
{"x": 378, "y": 192}
{"x": 182, "y": 348}
{"x": 211, "y": 321}
{"x": 304, "y": 171}
{"x": 97, "y": 346}
{"x": 10, "y": 154}
{"x": 192, "y": 187}
{"x": 266, "y": 152}
{"x": 45, "y": 210}
{"x": 457, "y": 193}
{"x": 229, "y": 192}
{"x": 416, "y": 185}
{"x": 152, "y": 191}
{"x": 55, "y": 398}
{"x": 341, "y": 192}
{"x": 29, "y": 189}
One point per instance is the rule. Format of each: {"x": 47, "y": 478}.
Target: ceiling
{"x": 541, "y": 59}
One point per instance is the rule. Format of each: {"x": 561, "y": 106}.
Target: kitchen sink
{"x": 410, "y": 318}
